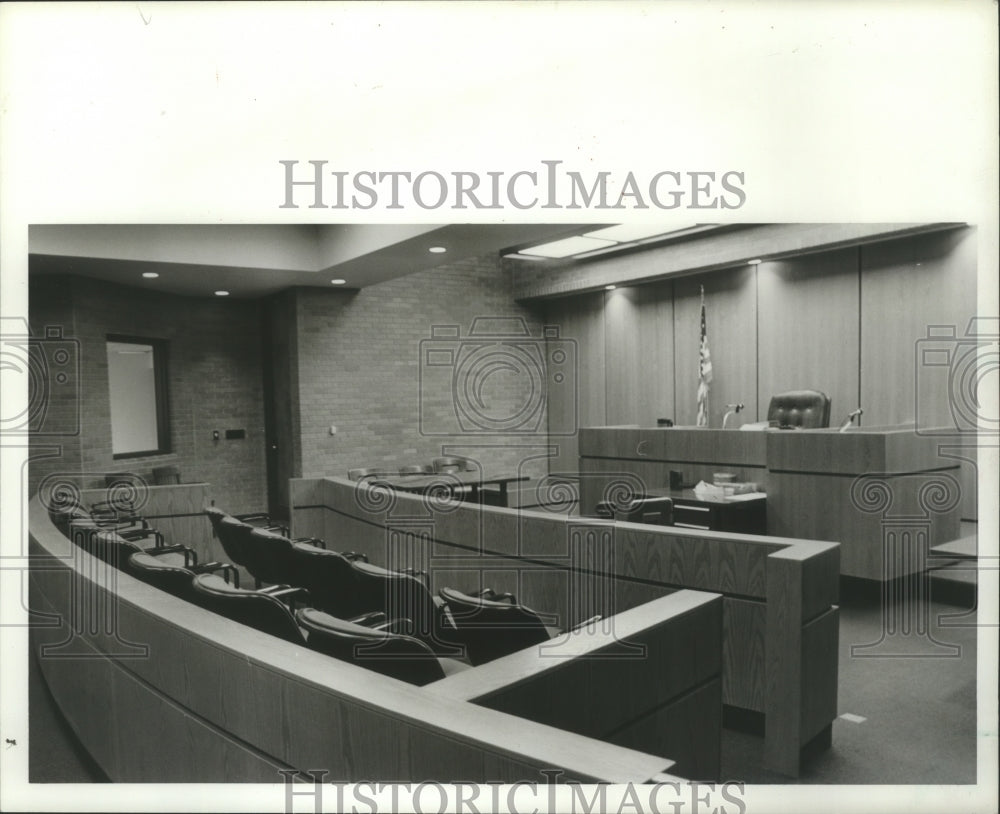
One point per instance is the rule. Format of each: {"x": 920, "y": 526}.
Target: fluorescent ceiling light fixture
{"x": 628, "y": 232}
{"x": 567, "y": 247}
{"x": 338, "y": 281}
{"x": 610, "y": 287}
{"x": 221, "y": 293}
{"x": 754, "y": 262}
{"x": 150, "y": 275}
{"x": 437, "y": 250}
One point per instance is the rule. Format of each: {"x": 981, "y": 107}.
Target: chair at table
{"x": 398, "y": 656}
{"x": 452, "y": 464}
{"x": 263, "y": 610}
{"x": 653, "y": 510}
{"x": 807, "y": 409}
{"x": 490, "y": 626}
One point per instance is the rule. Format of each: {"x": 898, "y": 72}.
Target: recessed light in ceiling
{"x": 610, "y": 287}
{"x": 338, "y": 281}
{"x": 150, "y": 275}
{"x": 437, "y": 250}
{"x": 754, "y": 262}
{"x": 221, "y": 293}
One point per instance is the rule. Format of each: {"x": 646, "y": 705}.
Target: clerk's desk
{"x": 884, "y": 493}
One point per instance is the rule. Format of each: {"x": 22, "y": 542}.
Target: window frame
{"x": 161, "y": 357}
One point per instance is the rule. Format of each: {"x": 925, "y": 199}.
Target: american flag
{"x": 704, "y": 368}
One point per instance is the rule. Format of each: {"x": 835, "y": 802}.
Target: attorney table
{"x": 886, "y": 494}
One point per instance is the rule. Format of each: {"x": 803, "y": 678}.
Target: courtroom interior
{"x": 629, "y": 502}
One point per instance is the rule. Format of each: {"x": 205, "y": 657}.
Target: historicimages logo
{"x": 497, "y": 380}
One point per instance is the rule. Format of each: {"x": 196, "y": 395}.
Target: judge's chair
{"x": 807, "y": 409}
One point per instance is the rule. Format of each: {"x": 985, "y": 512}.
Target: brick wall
{"x": 214, "y": 383}
{"x": 359, "y": 369}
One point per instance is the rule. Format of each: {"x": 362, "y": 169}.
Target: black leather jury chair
{"x": 173, "y": 579}
{"x": 402, "y": 595}
{"x": 328, "y": 577}
{"x": 808, "y": 409}
{"x": 491, "y": 626}
{"x": 262, "y": 610}
{"x": 401, "y": 657}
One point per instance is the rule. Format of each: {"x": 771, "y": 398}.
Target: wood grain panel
{"x": 731, "y": 321}
{"x": 820, "y": 639}
{"x": 744, "y": 634}
{"x": 784, "y": 692}
{"x": 808, "y": 328}
{"x": 820, "y": 507}
{"x": 639, "y": 358}
{"x": 637, "y": 682}
{"x": 684, "y": 728}
{"x": 580, "y": 319}
{"x": 906, "y": 287}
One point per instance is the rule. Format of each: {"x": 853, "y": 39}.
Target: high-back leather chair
{"x": 257, "y": 609}
{"x": 808, "y": 409}
{"x": 328, "y": 577}
{"x": 490, "y": 629}
{"x": 172, "y": 579}
{"x": 403, "y": 596}
{"x": 401, "y": 657}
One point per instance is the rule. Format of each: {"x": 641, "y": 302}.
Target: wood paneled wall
{"x": 844, "y": 321}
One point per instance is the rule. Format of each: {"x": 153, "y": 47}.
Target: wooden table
{"x": 451, "y": 482}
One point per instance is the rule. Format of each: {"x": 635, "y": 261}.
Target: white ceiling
{"x": 256, "y": 260}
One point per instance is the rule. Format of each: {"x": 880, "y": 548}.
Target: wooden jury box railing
{"x": 779, "y": 615}
{"x": 159, "y": 690}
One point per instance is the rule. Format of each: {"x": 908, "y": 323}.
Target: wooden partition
{"x": 159, "y": 690}
{"x": 657, "y": 700}
{"x": 779, "y": 639}
{"x": 860, "y": 487}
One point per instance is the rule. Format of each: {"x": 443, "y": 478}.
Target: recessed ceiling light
{"x": 150, "y": 275}
{"x": 754, "y": 262}
{"x": 437, "y": 250}
{"x": 610, "y": 287}
{"x": 221, "y": 293}
{"x": 338, "y": 281}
